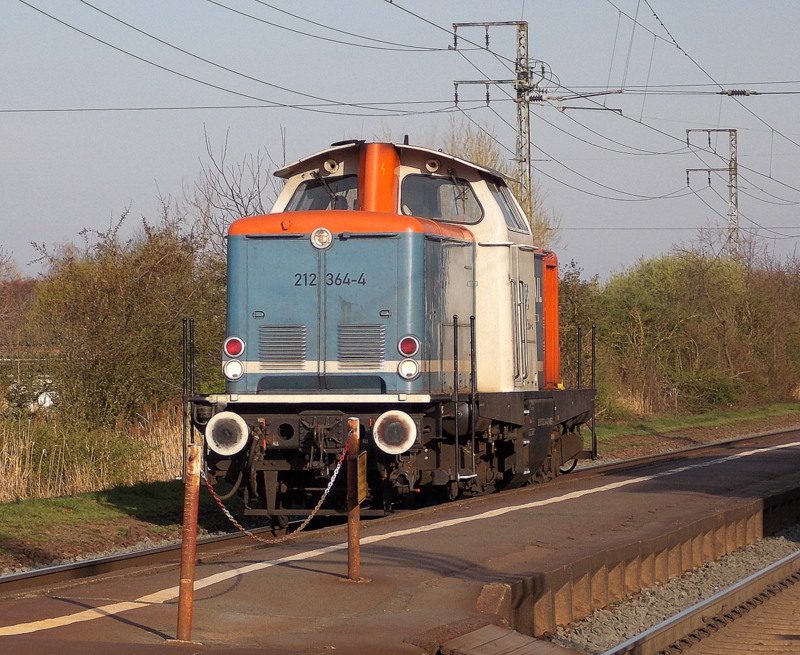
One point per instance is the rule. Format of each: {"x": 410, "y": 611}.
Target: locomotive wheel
{"x": 568, "y": 469}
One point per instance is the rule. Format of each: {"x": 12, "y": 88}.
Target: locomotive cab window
{"x": 440, "y": 198}
{"x": 508, "y": 207}
{"x": 325, "y": 193}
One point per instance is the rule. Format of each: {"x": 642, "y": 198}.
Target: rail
{"x": 65, "y": 573}
{"x": 679, "y": 632}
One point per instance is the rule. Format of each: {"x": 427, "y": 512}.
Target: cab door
{"x": 524, "y": 316}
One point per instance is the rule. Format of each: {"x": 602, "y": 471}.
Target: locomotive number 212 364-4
{"x": 331, "y": 279}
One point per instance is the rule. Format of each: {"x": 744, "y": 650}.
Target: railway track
{"x": 756, "y": 615}
{"x": 72, "y": 573}
{"x": 63, "y": 574}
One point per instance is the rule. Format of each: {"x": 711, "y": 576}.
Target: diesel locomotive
{"x": 401, "y": 286}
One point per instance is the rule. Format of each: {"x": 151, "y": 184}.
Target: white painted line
{"x": 171, "y": 593}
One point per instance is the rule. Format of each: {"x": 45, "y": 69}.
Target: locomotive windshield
{"x": 325, "y": 193}
{"x": 440, "y": 198}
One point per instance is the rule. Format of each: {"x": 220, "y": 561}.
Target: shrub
{"x": 112, "y": 315}
{"x": 689, "y": 332}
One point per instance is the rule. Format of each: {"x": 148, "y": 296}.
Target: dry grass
{"x": 635, "y": 402}
{"x": 160, "y": 435}
{"x": 41, "y": 458}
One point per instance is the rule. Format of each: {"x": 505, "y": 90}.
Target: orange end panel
{"x": 378, "y": 179}
{"x": 339, "y": 221}
{"x": 552, "y": 352}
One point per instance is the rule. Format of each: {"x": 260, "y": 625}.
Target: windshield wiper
{"x": 331, "y": 193}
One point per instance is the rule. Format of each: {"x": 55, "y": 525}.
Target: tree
{"x": 16, "y": 295}
{"x": 113, "y": 310}
{"x": 21, "y": 376}
{"x": 474, "y": 143}
{"x": 695, "y": 330}
{"x": 226, "y": 192}
{"x": 578, "y": 305}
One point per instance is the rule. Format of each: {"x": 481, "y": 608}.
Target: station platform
{"x": 466, "y": 578}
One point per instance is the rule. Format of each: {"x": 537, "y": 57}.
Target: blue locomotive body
{"x": 316, "y": 320}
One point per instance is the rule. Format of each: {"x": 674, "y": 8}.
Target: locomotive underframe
{"x": 470, "y": 445}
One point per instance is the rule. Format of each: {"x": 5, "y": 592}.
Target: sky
{"x": 105, "y": 107}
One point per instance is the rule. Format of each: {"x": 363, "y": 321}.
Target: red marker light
{"x": 233, "y": 347}
{"x": 408, "y": 346}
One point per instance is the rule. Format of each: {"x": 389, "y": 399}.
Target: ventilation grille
{"x": 282, "y": 347}
{"x": 362, "y": 346}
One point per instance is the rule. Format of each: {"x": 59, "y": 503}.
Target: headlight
{"x": 408, "y": 369}
{"x": 394, "y": 432}
{"x": 321, "y": 238}
{"x": 226, "y": 433}
{"x": 233, "y": 369}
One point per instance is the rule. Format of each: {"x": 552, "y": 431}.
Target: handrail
{"x": 473, "y": 392}
{"x": 455, "y": 396}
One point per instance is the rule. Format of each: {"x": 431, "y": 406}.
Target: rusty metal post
{"x": 595, "y": 454}
{"x": 580, "y": 357}
{"x": 353, "y": 506}
{"x": 191, "y": 499}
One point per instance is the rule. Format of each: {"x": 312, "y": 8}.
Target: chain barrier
{"x": 286, "y": 537}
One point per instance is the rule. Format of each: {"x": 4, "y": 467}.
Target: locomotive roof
{"x": 340, "y": 147}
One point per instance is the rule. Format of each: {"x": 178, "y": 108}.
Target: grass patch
{"x": 153, "y": 510}
{"x": 37, "y": 522}
{"x": 609, "y": 434}
{"x": 30, "y": 517}
{"x": 155, "y": 502}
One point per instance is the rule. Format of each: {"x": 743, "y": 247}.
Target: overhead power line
{"x": 386, "y": 45}
{"x": 204, "y": 60}
{"x": 497, "y": 55}
{"x": 319, "y": 108}
{"x": 641, "y": 122}
{"x": 778, "y": 236}
{"x": 329, "y": 106}
{"x": 750, "y": 220}
{"x": 735, "y": 96}
{"x": 448, "y": 107}
{"x": 522, "y": 86}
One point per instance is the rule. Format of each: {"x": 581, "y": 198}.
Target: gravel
{"x": 607, "y": 628}
{"x": 145, "y": 544}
